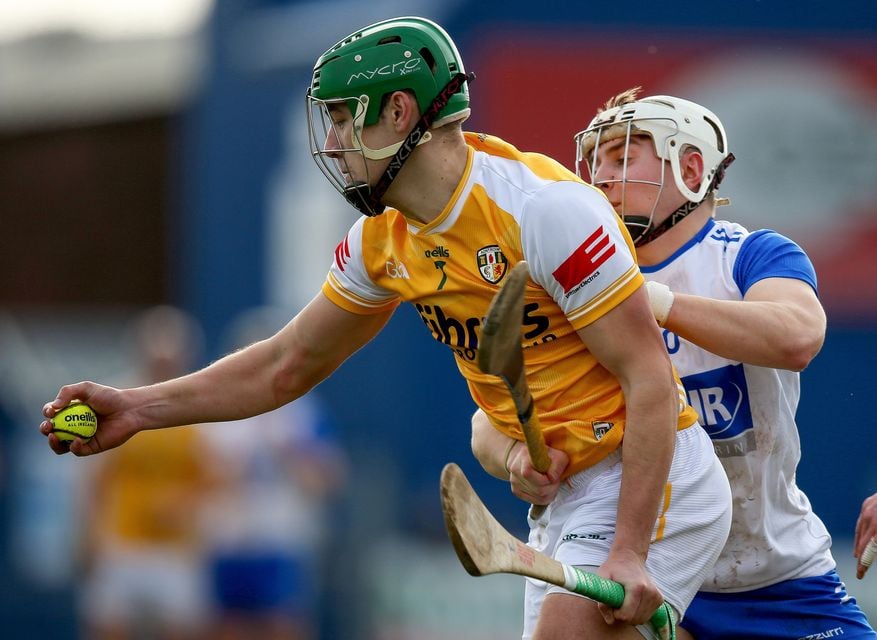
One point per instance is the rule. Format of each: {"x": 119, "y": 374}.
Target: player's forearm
{"x": 768, "y": 334}
{"x": 649, "y": 441}
{"x": 265, "y": 375}
{"x": 490, "y": 446}
{"x": 237, "y": 386}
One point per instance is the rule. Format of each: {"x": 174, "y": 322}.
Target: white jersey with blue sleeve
{"x": 749, "y": 412}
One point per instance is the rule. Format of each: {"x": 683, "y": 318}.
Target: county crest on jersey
{"x": 492, "y": 263}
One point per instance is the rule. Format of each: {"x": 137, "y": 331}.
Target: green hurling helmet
{"x": 407, "y": 54}
{"x": 397, "y": 54}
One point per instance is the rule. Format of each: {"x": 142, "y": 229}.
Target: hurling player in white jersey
{"x": 386, "y": 106}
{"x": 741, "y": 318}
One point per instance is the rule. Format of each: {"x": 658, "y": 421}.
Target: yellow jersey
{"x": 509, "y": 206}
{"x": 146, "y": 493}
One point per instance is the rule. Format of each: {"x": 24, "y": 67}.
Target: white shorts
{"x": 128, "y": 584}
{"x": 578, "y": 528}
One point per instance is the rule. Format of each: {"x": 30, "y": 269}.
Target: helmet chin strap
{"x": 642, "y": 225}
{"x": 648, "y": 233}
{"x": 368, "y": 152}
{"x": 368, "y": 199}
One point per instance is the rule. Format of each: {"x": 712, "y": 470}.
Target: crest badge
{"x": 601, "y": 428}
{"x": 492, "y": 263}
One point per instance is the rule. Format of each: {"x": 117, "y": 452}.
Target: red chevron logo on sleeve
{"x": 585, "y": 260}
{"x": 342, "y": 253}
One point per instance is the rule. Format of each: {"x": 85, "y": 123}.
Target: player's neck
{"x": 668, "y": 243}
{"x": 427, "y": 182}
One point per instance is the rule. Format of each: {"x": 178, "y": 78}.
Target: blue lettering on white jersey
{"x": 721, "y": 399}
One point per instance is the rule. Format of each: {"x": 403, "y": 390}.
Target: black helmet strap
{"x": 648, "y": 233}
{"x": 368, "y": 201}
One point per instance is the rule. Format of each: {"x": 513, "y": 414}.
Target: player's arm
{"x": 490, "y": 446}
{"x": 627, "y": 342}
{"x": 780, "y": 323}
{"x": 256, "y": 379}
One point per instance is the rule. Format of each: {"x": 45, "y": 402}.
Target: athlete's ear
{"x": 401, "y": 111}
{"x": 691, "y": 164}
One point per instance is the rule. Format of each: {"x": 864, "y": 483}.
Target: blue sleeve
{"x": 767, "y": 254}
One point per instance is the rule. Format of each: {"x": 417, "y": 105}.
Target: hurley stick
{"x": 485, "y": 547}
{"x": 500, "y": 354}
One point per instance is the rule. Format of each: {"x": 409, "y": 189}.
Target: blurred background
{"x": 154, "y": 164}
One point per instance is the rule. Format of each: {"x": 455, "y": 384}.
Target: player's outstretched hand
{"x": 641, "y": 595}
{"x": 866, "y": 532}
{"x": 530, "y": 485}
{"x": 116, "y": 421}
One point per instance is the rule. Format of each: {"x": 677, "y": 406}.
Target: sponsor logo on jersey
{"x": 439, "y": 252}
{"x": 492, "y": 263}
{"x": 721, "y": 399}
{"x": 450, "y": 331}
{"x": 601, "y": 428}
{"x": 342, "y": 253}
{"x": 396, "y": 269}
{"x": 440, "y": 265}
{"x": 585, "y": 260}
{"x": 462, "y": 335}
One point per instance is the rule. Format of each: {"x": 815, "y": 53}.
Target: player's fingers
{"x": 640, "y": 602}
{"x": 867, "y": 558}
{"x": 77, "y": 446}
{"x": 51, "y": 408}
{"x": 46, "y": 427}
{"x": 520, "y": 490}
{"x": 857, "y": 539}
{"x": 57, "y": 445}
{"x": 545, "y": 495}
{"x": 559, "y": 463}
{"x": 67, "y": 393}
{"x": 82, "y": 448}
{"x": 866, "y": 531}
{"x": 629, "y": 611}
{"x": 532, "y": 486}
{"x": 539, "y": 484}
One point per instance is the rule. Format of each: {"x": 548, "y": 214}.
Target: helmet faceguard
{"x": 336, "y": 167}
{"x": 674, "y": 125}
{"x": 401, "y": 54}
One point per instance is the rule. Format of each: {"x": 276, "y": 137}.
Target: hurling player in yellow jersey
{"x": 446, "y": 215}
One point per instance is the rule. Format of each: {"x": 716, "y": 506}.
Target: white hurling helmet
{"x": 673, "y": 124}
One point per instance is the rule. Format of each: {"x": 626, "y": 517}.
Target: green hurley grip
{"x": 598, "y": 588}
{"x": 611, "y": 593}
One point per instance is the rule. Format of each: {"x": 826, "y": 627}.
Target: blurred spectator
{"x": 141, "y": 550}
{"x": 267, "y": 521}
